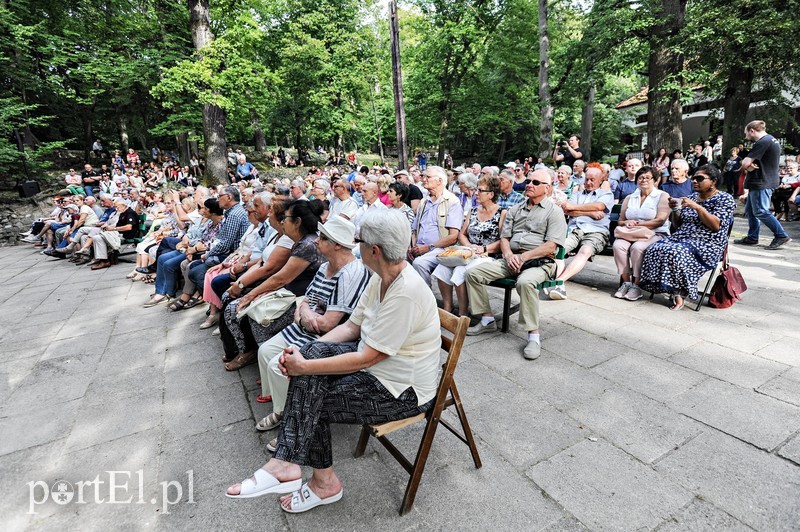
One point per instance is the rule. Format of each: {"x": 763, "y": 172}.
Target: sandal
{"x": 270, "y": 422}
{"x": 193, "y": 302}
{"x": 149, "y": 279}
{"x": 263, "y": 483}
{"x": 210, "y": 322}
{"x": 132, "y": 275}
{"x": 178, "y": 304}
{"x": 263, "y": 398}
{"x": 241, "y": 361}
{"x": 154, "y": 301}
{"x": 304, "y": 500}
{"x": 675, "y": 304}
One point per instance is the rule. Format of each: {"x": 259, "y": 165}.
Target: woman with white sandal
{"x": 380, "y": 365}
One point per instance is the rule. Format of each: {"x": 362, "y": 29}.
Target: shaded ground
{"x": 634, "y": 417}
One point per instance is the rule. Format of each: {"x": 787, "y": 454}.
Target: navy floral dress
{"x": 678, "y": 261}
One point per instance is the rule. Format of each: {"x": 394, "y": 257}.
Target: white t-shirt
{"x": 347, "y": 208}
{"x": 405, "y": 326}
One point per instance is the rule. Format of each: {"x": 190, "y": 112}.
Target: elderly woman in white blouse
{"x": 380, "y": 365}
{"x": 643, "y": 220}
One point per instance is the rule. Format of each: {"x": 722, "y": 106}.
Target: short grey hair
{"x": 681, "y": 163}
{"x": 566, "y": 168}
{"x": 389, "y": 229}
{"x": 468, "y": 179}
{"x": 105, "y": 196}
{"x": 233, "y": 191}
{"x": 508, "y": 174}
{"x": 440, "y": 172}
{"x": 300, "y": 183}
{"x": 264, "y": 197}
{"x": 323, "y": 184}
{"x": 580, "y": 163}
{"x": 552, "y": 174}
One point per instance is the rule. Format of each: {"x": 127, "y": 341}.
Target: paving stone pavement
{"x": 634, "y": 417}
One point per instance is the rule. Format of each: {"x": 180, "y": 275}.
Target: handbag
{"x": 268, "y": 308}
{"x": 728, "y": 287}
{"x": 632, "y": 234}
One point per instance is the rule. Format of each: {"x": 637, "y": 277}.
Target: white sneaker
{"x": 31, "y": 239}
{"x": 480, "y": 328}
{"x": 558, "y": 293}
{"x": 623, "y": 289}
{"x": 634, "y": 293}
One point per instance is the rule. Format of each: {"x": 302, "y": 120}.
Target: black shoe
{"x": 746, "y": 241}
{"x": 58, "y": 255}
{"x": 143, "y": 270}
{"x": 778, "y": 242}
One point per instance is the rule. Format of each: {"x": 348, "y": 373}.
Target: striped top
{"x": 340, "y": 293}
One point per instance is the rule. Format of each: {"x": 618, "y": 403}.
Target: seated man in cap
{"x": 414, "y": 195}
{"x": 588, "y": 212}
{"x": 123, "y": 224}
{"x": 438, "y": 220}
{"x": 531, "y": 234}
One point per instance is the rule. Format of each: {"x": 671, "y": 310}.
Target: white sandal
{"x": 269, "y": 422}
{"x": 264, "y": 483}
{"x": 304, "y": 500}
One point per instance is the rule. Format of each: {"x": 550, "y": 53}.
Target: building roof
{"x": 638, "y": 98}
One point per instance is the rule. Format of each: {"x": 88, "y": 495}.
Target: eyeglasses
{"x": 645, "y": 177}
{"x": 285, "y": 216}
{"x": 699, "y": 178}
{"x": 223, "y": 195}
{"x": 483, "y": 190}
{"x": 536, "y": 182}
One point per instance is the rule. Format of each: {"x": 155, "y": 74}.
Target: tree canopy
{"x": 306, "y": 73}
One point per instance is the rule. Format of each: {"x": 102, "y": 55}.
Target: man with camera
{"x": 569, "y": 152}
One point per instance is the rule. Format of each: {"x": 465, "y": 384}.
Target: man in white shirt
{"x": 342, "y": 204}
{"x": 370, "y": 194}
{"x": 588, "y": 227}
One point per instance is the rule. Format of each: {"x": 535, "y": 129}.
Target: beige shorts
{"x": 597, "y": 240}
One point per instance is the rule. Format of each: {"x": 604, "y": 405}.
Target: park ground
{"x": 634, "y": 417}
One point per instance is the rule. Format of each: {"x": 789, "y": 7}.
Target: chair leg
{"x": 707, "y": 289}
{"x": 462, "y": 416}
{"x": 362, "y": 442}
{"x": 506, "y": 309}
{"x": 419, "y": 465}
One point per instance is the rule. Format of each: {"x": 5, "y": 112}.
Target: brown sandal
{"x": 242, "y": 360}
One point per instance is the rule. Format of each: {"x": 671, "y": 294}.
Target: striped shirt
{"x": 340, "y": 293}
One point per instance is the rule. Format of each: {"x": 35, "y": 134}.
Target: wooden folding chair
{"x": 446, "y": 396}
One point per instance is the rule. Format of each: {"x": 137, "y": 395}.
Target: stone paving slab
{"x": 791, "y": 450}
{"x": 760, "y": 420}
{"x": 639, "y": 426}
{"x": 649, "y": 375}
{"x": 702, "y": 515}
{"x": 606, "y": 489}
{"x": 730, "y": 365}
{"x": 757, "y": 488}
{"x": 781, "y": 388}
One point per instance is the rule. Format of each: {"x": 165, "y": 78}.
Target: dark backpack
{"x": 729, "y": 286}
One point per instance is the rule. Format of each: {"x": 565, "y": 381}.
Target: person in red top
{"x": 132, "y": 157}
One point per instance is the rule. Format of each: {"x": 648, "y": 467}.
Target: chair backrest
{"x": 458, "y": 327}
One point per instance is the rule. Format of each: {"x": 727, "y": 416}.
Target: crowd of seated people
{"x": 330, "y": 273}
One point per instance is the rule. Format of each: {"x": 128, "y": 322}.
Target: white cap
{"x": 511, "y": 165}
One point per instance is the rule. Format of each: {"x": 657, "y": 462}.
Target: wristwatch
{"x": 239, "y": 285}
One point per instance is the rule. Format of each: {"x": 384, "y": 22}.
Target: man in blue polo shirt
{"x": 588, "y": 227}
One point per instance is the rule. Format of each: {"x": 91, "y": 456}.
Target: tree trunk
{"x": 503, "y": 144}
{"x": 397, "y": 86}
{"x": 123, "y": 133}
{"x": 377, "y": 127}
{"x": 214, "y": 118}
{"x": 443, "y": 106}
{"x": 664, "y": 110}
{"x": 738, "y": 92}
{"x": 183, "y": 147}
{"x": 545, "y": 97}
{"x": 259, "y": 139}
{"x": 87, "y": 137}
{"x": 587, "y": 119}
